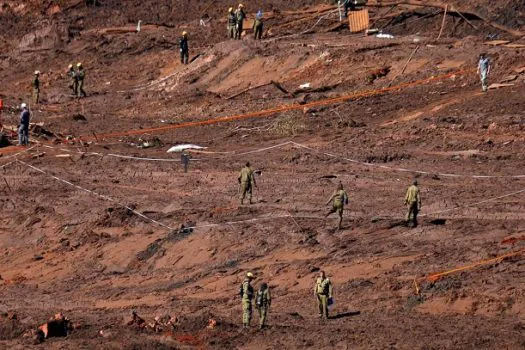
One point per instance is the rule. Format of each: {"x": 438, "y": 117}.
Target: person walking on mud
{"x": 323, "y": 292}
{"x": 232, "y": 23}
{"x": 80, "y": 75}
{"x": 338, "y": 200}
{"x": 73, "y": 83}
{"x": 413, "y": 203}
{"x": 184, "y": 48}
{"x": 35, "y": 83}
{"x": 247, "y": 295}
{"x": 23, "y": 126}
{"x": 247, "y": 182}
{"x": 263, "y": 300}
{"x": 241, "y": 16}
{"x": 484, "y": 67}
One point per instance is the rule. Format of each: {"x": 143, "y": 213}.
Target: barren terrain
{"x": 90, "y": 214}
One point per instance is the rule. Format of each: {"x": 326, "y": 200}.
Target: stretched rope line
{"x": 272, "y": 111}
{"x": 407, "y": 170}
{"x": 434, "y": 277}
{"x": 98, "y": 195}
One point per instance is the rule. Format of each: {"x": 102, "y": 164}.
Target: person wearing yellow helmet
{"x": 184, "y": 48}
{"x": 240, "y": 16}
{"x": 80, "y": 77}
{"x": 73, "y": 78}
{"x": 232, "y": 23}
{"x": 35, "y": 83}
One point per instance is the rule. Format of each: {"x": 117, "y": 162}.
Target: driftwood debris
{"x": 274, "y": 83}
{"x": 451, "y": 8}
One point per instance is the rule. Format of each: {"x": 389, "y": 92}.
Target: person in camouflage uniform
{"x": 35, "y": 83}
{"x": 232, "y": 24}
{"x": 241, "y": 16}
{"x": 247, "y": 295}
{"x": 263, "y": 301}
{"x": 413, "y": 203}
{"x": 323, "y": 291}
{"x": 80, "y": 77}
{"x": 338, "y": 200}
{"x": 247, "y": 181}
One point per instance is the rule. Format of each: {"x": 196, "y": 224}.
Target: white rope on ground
{"x": 408, "y": 170}
{"x": 98, "y": 195}
{"x": 476, "y": 203}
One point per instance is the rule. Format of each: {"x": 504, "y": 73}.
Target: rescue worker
{"x": 338, "y": 199}
{"x": 247, "y": 298}
{"x": 185, "y": 160}
{"x": 232, "y": 24}
{"x": 247, "y": 181}
{"x": 184, "y": 48}
{"x": 23, "y": 126}
{"x": 263, "y": 300}
{"x": 413, "y": 202}
{"x": 80, "y": 77}
{"x": 484, "y": 67}
{"x": 258, "y": 26}
{"x": 35, "y": 83}
{"x": 240, "y": 17}
{"x": 323, "y": 292}
{"x": 73, "y": 76}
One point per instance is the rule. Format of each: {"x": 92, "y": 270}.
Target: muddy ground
{"x": 90, "y": 218}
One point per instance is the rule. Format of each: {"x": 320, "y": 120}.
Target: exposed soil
{"x": 91, "y": 228}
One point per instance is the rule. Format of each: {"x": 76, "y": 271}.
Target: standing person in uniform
{"x": 323, "y": 292}
{"x": 338, "y": 199}
{"x": 232, "y": 23}
{"x": 247, "y": 181}
{"x": 35, "y": 83}
{"x": 80, "y": 77}
{"x": 263, "y": 300}
{"x": 241, "y": 16}
{"x": 73, "y": 83}
{"x": 23, "y": 126}
{"x": 184, "y": 48}
{"x": 247, "y": 295}
{"x": 413, "y": 202}
{"x": 484, "y": 67}
{"x": 258, "y": 25}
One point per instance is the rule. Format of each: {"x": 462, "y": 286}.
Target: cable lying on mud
{"x": 98, "y": 195}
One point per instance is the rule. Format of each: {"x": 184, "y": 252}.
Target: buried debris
{"x": 57, "y": 326}
{"x": 183, "y": 147}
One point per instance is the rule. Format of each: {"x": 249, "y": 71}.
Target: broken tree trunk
{"x": 451, "y": 8}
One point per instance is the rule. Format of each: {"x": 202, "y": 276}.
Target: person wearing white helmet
{"x": 23, "y": 126}
{"x": 184, "y": 48}
{"x": 35, "y": 83}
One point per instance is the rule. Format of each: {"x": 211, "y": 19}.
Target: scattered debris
{"x": 376, "y": 74}
{"x": 79, "y": 117}
{"x": 57, "y": 326}
{"x": 135, "y": 320}
{"x": 155, "y": 142}
{"x": 384, "y": 36}
{"x": 498, "y": 86}
{"x": 163, "y": 323}
{"x": 305, "y": 86}
{"x": 211, "y": 324}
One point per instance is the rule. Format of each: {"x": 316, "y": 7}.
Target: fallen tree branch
{"x": 451, "y": 8}
{"x": 443, "y": 22}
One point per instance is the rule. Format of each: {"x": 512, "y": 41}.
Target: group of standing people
{"x": 77, "y": 77}
{"x": 236, "y": 23}
{"x": 323, "y": 293}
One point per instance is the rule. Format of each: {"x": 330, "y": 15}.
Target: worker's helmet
{"x": 79, "y": 64}
{"x": 70, "y": 66}
{"x": 230, "y": 10}
{"x": 249, "y": 275}
{"x": 241, "y": 6}
{"x": 23, "y": 106}
{"x": 37, "y": 72}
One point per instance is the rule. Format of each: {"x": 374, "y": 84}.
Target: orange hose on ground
{"x": 272, "y": 111}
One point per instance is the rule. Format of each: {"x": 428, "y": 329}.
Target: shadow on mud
{"x": 345, "y": 314}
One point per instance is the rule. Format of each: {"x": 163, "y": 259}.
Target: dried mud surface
{"x": 65, "y": 249}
